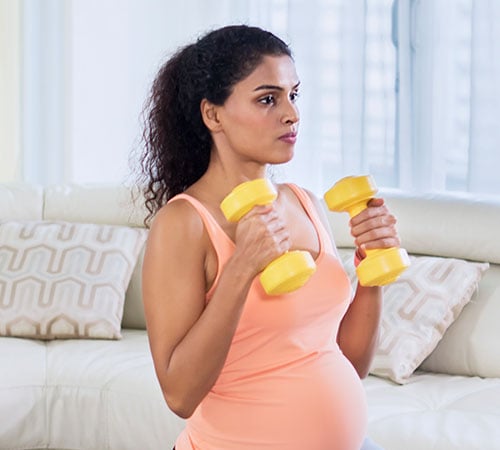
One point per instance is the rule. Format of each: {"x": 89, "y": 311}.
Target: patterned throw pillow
{"x": 418, "y": 309}
{"x": 65, "y": 280}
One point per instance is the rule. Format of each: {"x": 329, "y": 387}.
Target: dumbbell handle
{"x": 356, "y": 208}
{"x": 353, "y": 211}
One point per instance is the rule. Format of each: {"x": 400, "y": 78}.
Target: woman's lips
{"x": 289, "y": 138}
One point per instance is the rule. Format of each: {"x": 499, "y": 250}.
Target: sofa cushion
{"x": 418, "y": 308}
{"x": 21, "y": 201}
{"x": 105, "y": 204}
{"x": 133, "y": 311}
{"x": 471, "y": 346}
{"x": 94, "y": 203}
{"x": 65, "y": 280}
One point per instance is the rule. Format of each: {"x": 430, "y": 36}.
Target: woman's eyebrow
{"x": 273, "y": 87}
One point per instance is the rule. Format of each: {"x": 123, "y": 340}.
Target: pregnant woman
{"x": 248, "y": 371}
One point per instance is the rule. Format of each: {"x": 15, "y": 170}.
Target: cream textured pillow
{"x": 418, "y": 308}
{"x": 65, "y": 280}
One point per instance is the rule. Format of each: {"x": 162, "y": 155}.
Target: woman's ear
{"x": 209, "y": 115}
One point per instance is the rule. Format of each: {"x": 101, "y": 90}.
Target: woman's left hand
{"x": 374, "y": 227}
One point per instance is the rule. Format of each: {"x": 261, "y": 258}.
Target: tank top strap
{"x": 311, "y": 210}
{"x": 223, "y": 245}
{"x": 211, "y": 225}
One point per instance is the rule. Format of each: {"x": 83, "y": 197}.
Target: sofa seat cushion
{"x": 22, "y": 393}
{"x": 106, "y": 387}
{"x": 434, "y": 411}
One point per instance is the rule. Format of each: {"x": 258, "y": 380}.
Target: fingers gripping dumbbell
{"x": 291, "y": 270}
{"x": 381, "y": 266}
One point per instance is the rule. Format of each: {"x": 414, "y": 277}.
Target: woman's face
{"x": 259, "y": 120}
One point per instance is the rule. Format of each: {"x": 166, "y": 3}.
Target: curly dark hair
{"x": 177, "y": 144}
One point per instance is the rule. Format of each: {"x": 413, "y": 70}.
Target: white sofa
{"x": 103, "y": 394}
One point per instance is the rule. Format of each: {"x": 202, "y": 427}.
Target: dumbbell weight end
{"x": 288, "y": 272}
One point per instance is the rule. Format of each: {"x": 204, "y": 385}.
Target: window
{"x": 405, "y": 90}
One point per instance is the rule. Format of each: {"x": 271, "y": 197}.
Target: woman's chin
{"x": 283, "y": 157}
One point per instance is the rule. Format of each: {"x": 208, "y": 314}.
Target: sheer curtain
{"x": 407, "y": 90}
{"x": 346, "y": 62}
{"x": 448, "y": 133}
{"x": 10, "y": 109}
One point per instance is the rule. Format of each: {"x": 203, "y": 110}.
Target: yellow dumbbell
{"x": 381, "y": 266}
{"x": 291, "y": 270}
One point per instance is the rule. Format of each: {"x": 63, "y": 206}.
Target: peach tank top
{"x": 285, "y": 384}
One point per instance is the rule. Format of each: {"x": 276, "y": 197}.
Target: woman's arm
{"x": 359, "y": 329}
{"x": 374, "y": 227}
{"x": 358, "y": 333}
{"x": 189, "y": 339}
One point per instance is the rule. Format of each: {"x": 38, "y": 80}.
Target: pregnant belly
{"x": 317, "y": 405}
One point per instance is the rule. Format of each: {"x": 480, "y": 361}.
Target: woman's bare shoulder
{"x": 178, "y": 217}
{"x": 177, "y": 231}
{"x": 175, "y": 255}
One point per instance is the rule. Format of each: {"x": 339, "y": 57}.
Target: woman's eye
{"x": 267, "y": 100}
{"x": 294, "y": 96}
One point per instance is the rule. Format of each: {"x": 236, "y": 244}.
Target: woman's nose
{"x": 291, "y": 114}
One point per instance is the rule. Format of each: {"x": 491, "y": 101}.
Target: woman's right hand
{"x": 261, "y": 237}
